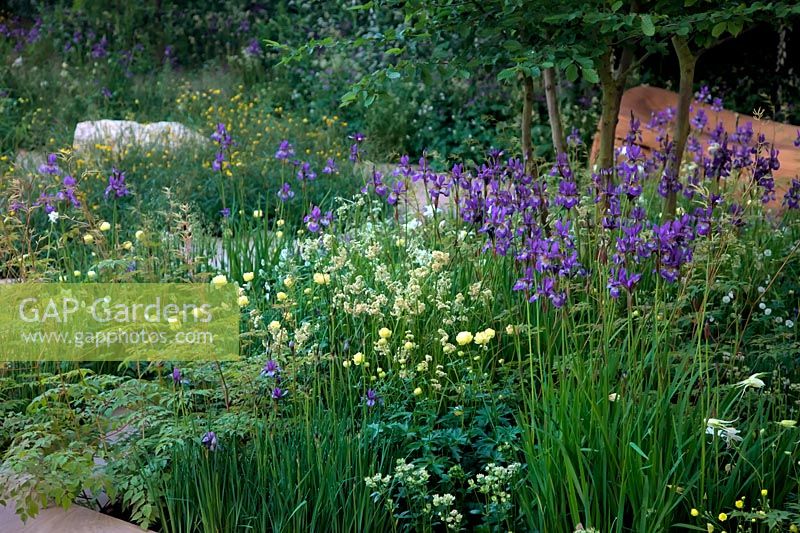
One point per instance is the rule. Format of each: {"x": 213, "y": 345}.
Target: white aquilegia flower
{"x": 724, "y": 429}
{"x": 753, "y": 381}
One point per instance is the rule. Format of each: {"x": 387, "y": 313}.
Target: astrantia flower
{"x": 210, "y": 441}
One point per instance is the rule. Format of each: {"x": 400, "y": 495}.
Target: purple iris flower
{"x": 253, "y": 48}
{"x": 51, "y": 167}
{"x": 116, "y": 184}
{"x": 278, "y": 393}
{"x": 305, "y": 173}
{"x": 330, "y": 167}
{"x": 285, "y": 192}
{"x": 271, "y": 369}
{"x": 225, "y": 212}
{"x": 176, "y": 375}
{"x": 285, "y": 151}
{"x": 372, "y": 398}
{"x": 315, "y": 220}
{"x": 210, "y": 441}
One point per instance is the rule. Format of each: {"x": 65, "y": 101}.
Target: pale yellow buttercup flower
{"x": 464, "y": 338}
{"x": 219, "y": 280}
{"x": 288, "y": 282}
{"x": 76, "y": 273}
{"x": 139, "y": 235}
{"x": 105, "y": 226}
{"x": 418, "y": 391}
{"x": 88, "y": 238}
{"x": 322, "y": 279}
{"x": 243, "y": 300}
{"x": 358, "y": 358}
{"x": 258, "y": 213}
{"x": 384, "y": 333}
{"x": 127, "y": 245}
{"x": 248, "y": 276}
{"x": 274, "y": 326}
{"x": 282, "y": 296}
{"x": 91, "y": 274}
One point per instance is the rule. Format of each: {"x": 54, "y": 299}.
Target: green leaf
{"x": 571, "y": 72}
{"x": 638, "y": 450}
{"x": 648, "y": 28}
{"x": 507, "y": 74}
{"x": 719, "y": 29}
{"x": 590, "y": 75}
{"x": 394, "y": 51}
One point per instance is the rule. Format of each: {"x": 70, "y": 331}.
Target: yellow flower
{"x": 105, "y": 226}
{"x": 139, "y": 235}
{"x": 710, "y": 528}
{"x": 384, "y": 333}
{"x": 258, "y": 213}
{"x": 248, "y": 276}
{"x": 346, "y": 363}
{"x": 408, "y": 346}
{"x": 764, "y": 492}
{"x": 793, "y": 528}
{"x": 219, "y": 280}
{"x": 464, "y": 338}
{"x": 483, "y": 337}
{"x": 243, "y": 300}
{"x": 288, "y": 282}
{"x": 307, "y": 291}
{"x": 88, "y": 238}
{"x": 788, "y": 423}
{"x": 274, "y": 326}
{"x": 722, "y": 517}
{"x": 694, "y": 512}
{"x": 358, "y": 358}
{"x": 76, "y": 273}
{"x": 739, "y": 504}
{"x": 282, "y": 296}
{"x": 280, "y": 223}
{"x": 279, "y": 234}
{"x": 91, "y": 274}
{"x": 417, "y": 391}
{"x": 127, "y": 245}
{"x": 322, "y": 279}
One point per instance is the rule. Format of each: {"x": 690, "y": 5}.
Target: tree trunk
{"x": 686, "y": 62}
{"x": 553, "y": 113}
{"x": 527, "y": 118}
{"x": 612, "y": 83}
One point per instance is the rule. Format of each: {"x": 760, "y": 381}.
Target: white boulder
{"x": 122, "y": 134}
